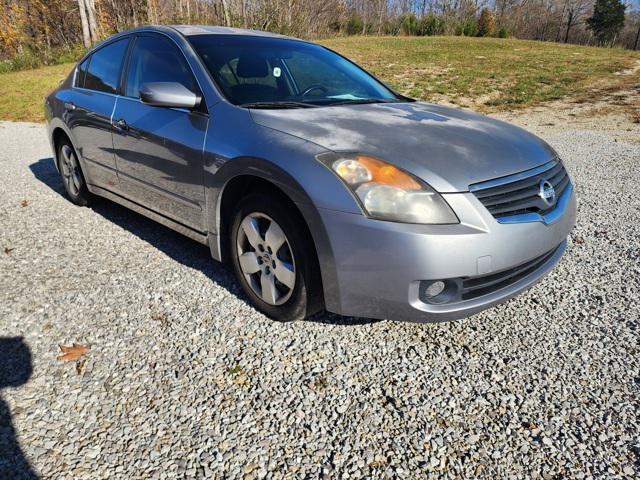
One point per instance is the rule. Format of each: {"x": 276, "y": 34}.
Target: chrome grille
{"x": 477, "y": 286}
{"x": 519, "y": 194}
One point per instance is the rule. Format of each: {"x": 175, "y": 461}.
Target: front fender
{"x": 273, "y": 174}
{"x": 238, "y": 147}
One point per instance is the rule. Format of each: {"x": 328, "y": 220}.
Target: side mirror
{"x": 168, "y": 94}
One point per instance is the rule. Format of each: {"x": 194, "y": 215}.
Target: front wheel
{"x": 273, "y": 258}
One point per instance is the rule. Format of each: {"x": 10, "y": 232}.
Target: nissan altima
{"x": 319, "y": 186}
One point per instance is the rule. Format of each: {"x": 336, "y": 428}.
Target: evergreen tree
{"x": 607, "y": 20}
{"x": 487, "y": 23}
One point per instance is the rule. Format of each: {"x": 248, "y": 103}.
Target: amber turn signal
{"x": 387, "y": 174}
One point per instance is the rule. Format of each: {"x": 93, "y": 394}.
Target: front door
{"x": 159, "y": 150}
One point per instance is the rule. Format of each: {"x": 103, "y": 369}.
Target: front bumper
{"x": 379, "y": 265}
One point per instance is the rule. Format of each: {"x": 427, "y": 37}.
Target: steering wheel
{"x": 312, "y": 88}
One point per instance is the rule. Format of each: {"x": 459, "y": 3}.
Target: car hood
{"x": 449, "y": 148}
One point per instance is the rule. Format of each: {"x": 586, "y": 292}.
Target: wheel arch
{"x": 57, "y": 135}
{"x": 261, "y": 175}
{"x": 58, "y": 132}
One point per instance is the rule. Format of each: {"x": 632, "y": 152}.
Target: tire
{"x": 290, "y": 272}
{"x": 72, "y": 176}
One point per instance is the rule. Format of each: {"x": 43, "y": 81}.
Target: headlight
{"x": 388, "y": 193}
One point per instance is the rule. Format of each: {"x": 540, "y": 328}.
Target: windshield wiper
{"x": 357, "y": 101}
{"x": 283, "y": 104}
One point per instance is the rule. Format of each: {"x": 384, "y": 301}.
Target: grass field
{"x": 23, "y": 92}
{"x": 484, "y": 73}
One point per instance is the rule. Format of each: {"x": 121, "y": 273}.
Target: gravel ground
{"x": 184, "y": 379}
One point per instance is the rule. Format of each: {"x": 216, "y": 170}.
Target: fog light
{"x": 434, "y": 289}
{"x": 438, "y": 292}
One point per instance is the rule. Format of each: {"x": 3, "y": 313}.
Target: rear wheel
{"x": 72, "y": 176}
{"x": 273, "y": 258}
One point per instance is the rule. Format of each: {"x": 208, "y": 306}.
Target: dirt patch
{"x": 611, "y": 106}
{"x": 480, "y": 101}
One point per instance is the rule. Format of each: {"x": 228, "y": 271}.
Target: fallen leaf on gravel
{"x": 8, "y": 250}
{"x": 72, "y": 353}
{"x": 24, "y": 203}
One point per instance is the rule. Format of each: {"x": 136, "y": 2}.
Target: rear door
{"x": 159, "y": 150}
{"x": 88, "y": 111}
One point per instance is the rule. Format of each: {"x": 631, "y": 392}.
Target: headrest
{"x": 252, "y": 66}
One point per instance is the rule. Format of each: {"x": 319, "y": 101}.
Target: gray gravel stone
{"x": 184, "y": 379}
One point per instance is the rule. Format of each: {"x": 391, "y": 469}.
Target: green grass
{"x": 23, "y": 92}
{"x": 484, "y": 73}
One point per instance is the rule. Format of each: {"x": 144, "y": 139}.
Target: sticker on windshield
{"x": 276, "y": 72}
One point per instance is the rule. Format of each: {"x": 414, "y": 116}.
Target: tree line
{"x": 35, "y": 32}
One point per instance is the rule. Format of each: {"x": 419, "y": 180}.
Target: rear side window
{"x": 105, "y": 67}
{"x": 82, "y": 73}
{"x": 157, "y": 59}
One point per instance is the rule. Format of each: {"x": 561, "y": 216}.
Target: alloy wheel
{"x": 265, "y": 258}
{"x": 70, "y": 170}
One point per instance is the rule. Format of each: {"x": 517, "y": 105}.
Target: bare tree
{"x": 152, "y": 11}
{"x": 91, "y": 15}
{"x": 44, "y": 25}
{"x": 575, "y": 12}
{"x": 225, "y": 10}
{"x": 86, "y": 34}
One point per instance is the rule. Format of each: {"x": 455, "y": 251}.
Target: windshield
{"x": 274, "y": 72}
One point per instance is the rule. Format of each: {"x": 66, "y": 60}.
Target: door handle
{"x": 69, "y": 106}
{"x": 121, "y": 124}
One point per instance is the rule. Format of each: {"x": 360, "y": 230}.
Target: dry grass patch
{"x": 618, "y": 94}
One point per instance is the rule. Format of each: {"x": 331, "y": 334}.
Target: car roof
{"x": 190, "y": 30}
{"x": 187, "y": 31}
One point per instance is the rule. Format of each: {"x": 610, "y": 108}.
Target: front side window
{"x": 157, "y": 59}
{"x": 105, "y": 67}
{"x": 252, "y": 70}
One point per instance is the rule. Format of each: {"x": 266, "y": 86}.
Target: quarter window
{"x": 104, "y": 69}
{"x": 156, "y": 59}
{"x": 82, "y": 73}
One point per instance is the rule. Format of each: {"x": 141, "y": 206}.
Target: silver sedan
{"x": 317, "y": 184}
